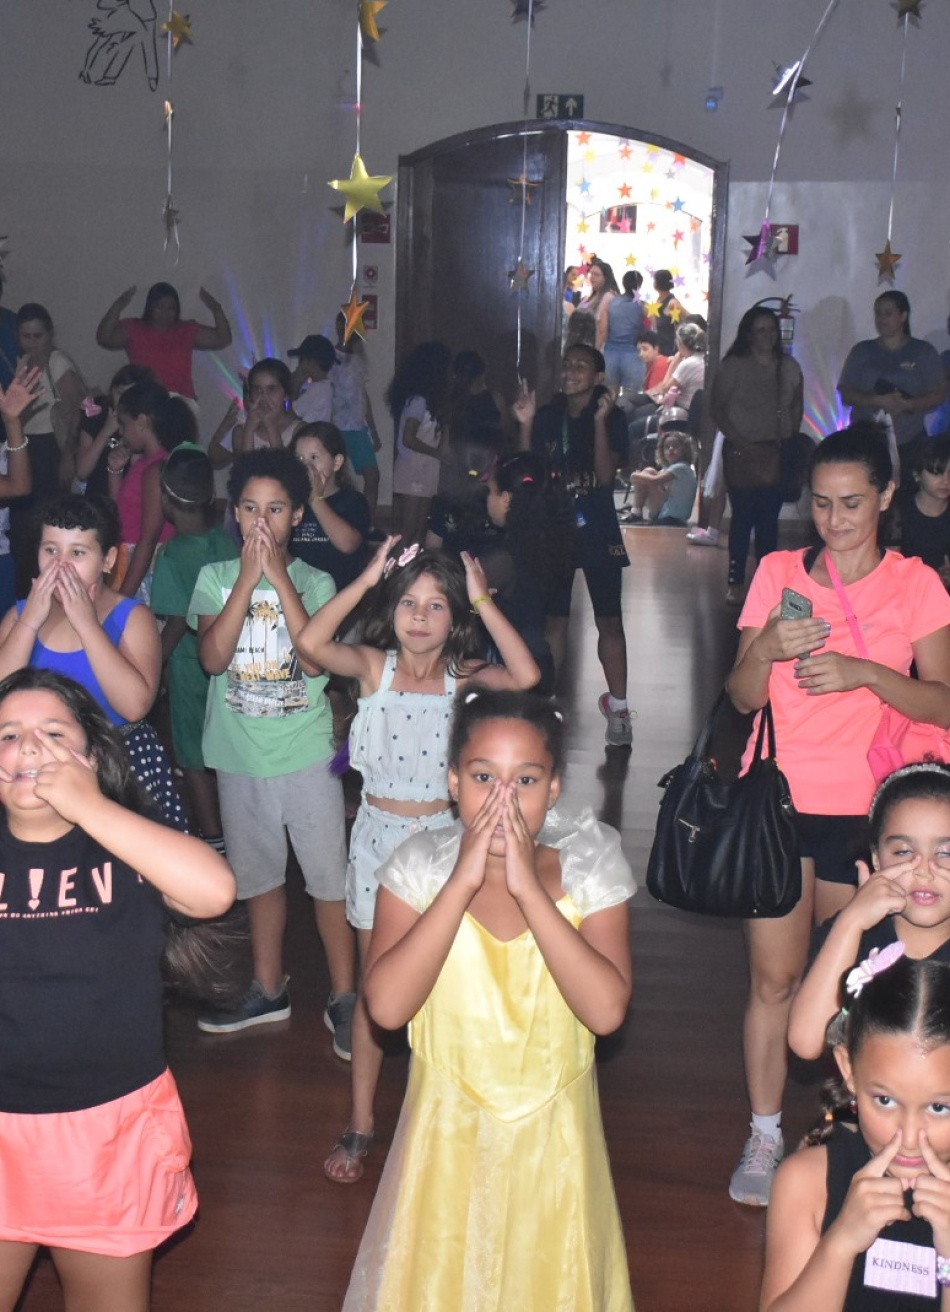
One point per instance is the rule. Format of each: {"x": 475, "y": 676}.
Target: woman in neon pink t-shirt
{"x": 161, "y": 340}
{"x": 827, "y": 707}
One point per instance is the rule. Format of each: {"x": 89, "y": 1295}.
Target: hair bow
{"x": 89, "y": 407}
{"x": 404, "y": 557}
{"x": 879, "y": 960}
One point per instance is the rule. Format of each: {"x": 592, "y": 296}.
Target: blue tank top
{"x": 625, "y": 321}
{"x": 75, "y": 664}
{"x": 399, "y": 741}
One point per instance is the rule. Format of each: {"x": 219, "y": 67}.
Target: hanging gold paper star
{"x": 887, "y": 261}
{"x": 582, "y": 226}
{"x": 360, "y": 189}
{"x": 368, "y": 11}
{"x": 353, "y": 311}
{"x": 178, "y": 28}
{"x": 522, "y": 185}
{"x": 519, "y": 275}
{"x": 631, "y": 261}
{"x": 652, "y": 308}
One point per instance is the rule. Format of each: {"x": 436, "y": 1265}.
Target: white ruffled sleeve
{"x": 594, "y": 871}
{"x": 419, "y": 867}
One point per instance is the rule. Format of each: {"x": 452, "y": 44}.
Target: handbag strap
{"x": 766, "y": 725}
{"x": 846, "y": 607}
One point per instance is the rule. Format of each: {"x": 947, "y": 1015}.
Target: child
{"x": 506, "y": 956}
{"x": 666, "y": 493}
{"x": 862, "y": 1220}
{"x": 312, "y": 390}
{"x": 94, "y": 1149}
{"x": 267, "y": 733}
{"x": 15, "y": 475}
{"x": 332, "y": 533}
{"x": 925, "y": 507}
{"x": 906, "y": 899}
{"x": 416, "y": 652}
{"x": 74, "y": 623}
{"x": 584, "y": 439}
{"x": 187, "y": 500}
{"x": 99, "y": 432}
{"x": 269, "y": 420}
{"x": 152, "y": 423}
{"x": 535, "y": 554}
{"x": 353, "y": 411}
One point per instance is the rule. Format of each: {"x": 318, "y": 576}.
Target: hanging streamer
{"x": 888, "y": 259}
{"x": 172, "y": 244}
{"x": 518, "y": 277}
{"x": 766, "y": 248}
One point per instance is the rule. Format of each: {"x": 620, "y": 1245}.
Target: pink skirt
{"x": 112, "y": 1179}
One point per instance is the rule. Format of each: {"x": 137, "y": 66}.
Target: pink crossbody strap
{"x": 846, "y": 607}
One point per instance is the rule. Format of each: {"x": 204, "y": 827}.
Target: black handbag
{"x": 727, "y": 848}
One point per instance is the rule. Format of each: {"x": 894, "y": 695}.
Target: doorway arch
{"x": 459, "y": 230}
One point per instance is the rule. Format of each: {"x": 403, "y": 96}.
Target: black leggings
{"x": 754, "y": 510}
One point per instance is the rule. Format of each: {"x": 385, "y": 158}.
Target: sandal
{"x": 353, "y": 1146}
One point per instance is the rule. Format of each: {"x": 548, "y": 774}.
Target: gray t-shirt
{"x": 914, "y": 370}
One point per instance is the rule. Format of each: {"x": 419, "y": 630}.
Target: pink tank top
{"x": 129, "y": 500}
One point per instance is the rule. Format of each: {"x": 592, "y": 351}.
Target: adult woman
{"x": 668, "y": 313}
{"x": 417, "y": 398}
{"x": 51, "y": 424}
{"x": 271, "y": 420}
{"x": 893, "y": 372}
{"x": 827, "y": 707}
{"x": 588, "y": 323}
{"x": 683, "y": 379}
{"x": 626, "y": 320}
{"x": 161, "y": 339}
{"x": 756, "y": 401}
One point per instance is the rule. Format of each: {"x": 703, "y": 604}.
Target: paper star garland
{"x": 522, "y": 185}
{"x": 625, "y": 152}
{"x": 368, "y": 11}
{"x": 652, "y": 308}
{"x": 675, "y": 314}
{"x": 178, "y": 28}
{"x": 625, "y": 191}
{"x": 519, "y": 275}
{"x": 887, "y": 261}
{"x": 353, "y": 311}
{"x": 631, "y": 261}
{"x": 679, "y": 205}
{"x": 583, "y": 138}
{"x": 583, "y": 226}
{"x": 360, "y": 189}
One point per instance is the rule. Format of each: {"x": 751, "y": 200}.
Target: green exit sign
{"x": 556, "y": 106}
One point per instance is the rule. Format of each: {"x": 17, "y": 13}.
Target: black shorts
{"x": 835, "y": 843}
{"x": 604, "y": 583}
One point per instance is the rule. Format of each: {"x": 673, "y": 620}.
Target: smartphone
{"x": 795, "y": 606}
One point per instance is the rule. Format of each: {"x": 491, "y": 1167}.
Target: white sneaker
{"x": 751, "y": 1181}
{"x": 703, "y": 537}
{"x": 619, "y": 724}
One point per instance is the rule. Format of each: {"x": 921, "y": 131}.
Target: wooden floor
{"x": 264, "y": 1107}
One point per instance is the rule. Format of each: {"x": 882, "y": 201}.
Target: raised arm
{"x": 212, "y": 337}
{"x": 518, "y": 669}
{"x": 18, "y": 480}
{"x": 219, "y": 455}
{"x": 316, "y": 639}
{"x": 111, "y": 335}
{"x": 524, "y": 409}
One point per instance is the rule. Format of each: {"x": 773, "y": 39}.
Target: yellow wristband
{"x": 478, "y": 602}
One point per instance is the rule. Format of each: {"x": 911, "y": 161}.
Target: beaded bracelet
{"x": 943, "y": 1271}
{"x": 479, "y": 601}
{"x": 22, "y": 447}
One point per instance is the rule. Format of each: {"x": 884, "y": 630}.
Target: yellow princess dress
{"x": 497, "y": 1194}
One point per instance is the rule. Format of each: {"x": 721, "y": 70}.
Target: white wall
{"x": 262, "y": 121}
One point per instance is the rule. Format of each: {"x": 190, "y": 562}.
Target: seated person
{"x": 667, "y": 492}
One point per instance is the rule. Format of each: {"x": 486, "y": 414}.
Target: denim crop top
{"x": 399, "y": 741}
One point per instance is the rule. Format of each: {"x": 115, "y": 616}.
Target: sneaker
{"x": 619, "y": 726}
{"x": 631, "y": 516}
{"x": 751, "y": 1181}
{"x": 703, "y": 537}
{"x": 338, "y": 1019}
{"x": 255, "y": 1008}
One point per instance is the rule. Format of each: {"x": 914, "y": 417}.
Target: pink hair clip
{"x": 878, "y": 960}
{"x": 89, "y": 407}
{"x": 402, "y": 559}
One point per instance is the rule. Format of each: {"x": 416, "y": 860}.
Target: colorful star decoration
{"x": 652, "y": 308}
{"x": 583, "y": 138}
{"x": 178, "y": 28}
{"x": 763, "y": 246}
{"x": 519, "y": 275}
{"x": 360, "y": 189}
{"x": 631, "y": 261}
{"x": 887, "y": 261}
{"x": 522, "y": 185}
{"x": 675, "y": 314}
{"x": 368, "y": 11}
{"x": 625, "y": 191}
{"x": 353, "y": 311}
{"x": 625, "y": 152}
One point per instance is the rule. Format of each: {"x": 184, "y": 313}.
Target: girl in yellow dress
{"x": 506, "y": 955}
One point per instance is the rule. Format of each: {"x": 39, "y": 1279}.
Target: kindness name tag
{"x": 904, "y": 1268}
